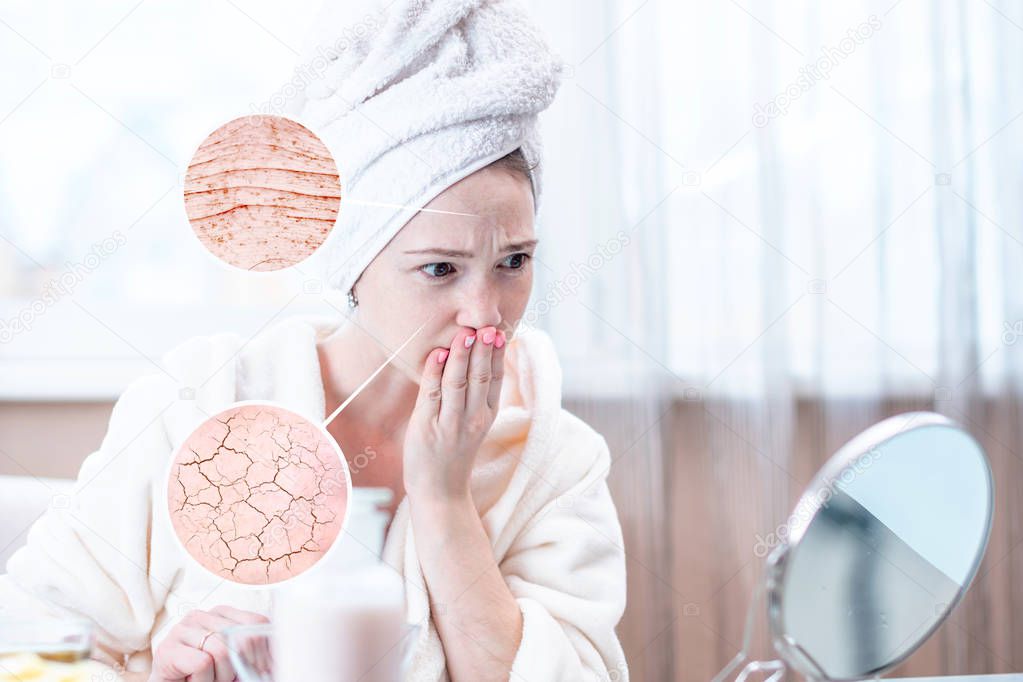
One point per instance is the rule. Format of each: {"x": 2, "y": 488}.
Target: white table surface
{"x": 1007, "y": 677}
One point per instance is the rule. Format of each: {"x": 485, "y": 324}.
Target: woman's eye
{"x": 516, "y": 261}
{"x": 520, "y": 262}
{"x": 444, "y": 269}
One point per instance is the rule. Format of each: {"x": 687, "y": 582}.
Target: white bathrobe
{"x": 539, "y": 484}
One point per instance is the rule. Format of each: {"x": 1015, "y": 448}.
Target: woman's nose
{"x": 480, "y": 308}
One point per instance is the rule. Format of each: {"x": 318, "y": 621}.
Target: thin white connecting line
{"x": 370, "y": 378}
{"x": 360, "y": 202}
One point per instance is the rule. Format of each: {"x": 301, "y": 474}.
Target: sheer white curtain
{"x": 824, "y": 222}
{"x": 836, "y": 222}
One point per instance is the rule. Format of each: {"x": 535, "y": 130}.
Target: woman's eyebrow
{"x": 454, "y": 253}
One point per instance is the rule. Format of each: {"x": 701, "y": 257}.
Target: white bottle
{"x": 346, "y": 619}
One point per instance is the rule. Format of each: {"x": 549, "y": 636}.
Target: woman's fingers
{"x": 198, "y": 666}
{"x": 179, "y": 657}
{"x": 215, "y": 645}
{"x": 264, "y": 656}
{"x": 480, "y": 371}
{"x": 497, "y": 371}
{"x": 251, "y": 648}
{"x": 215, "y": 651}
{"x": 232, "y": 615}
{"x": 187, "y": 663}
{"x": 454, "y": 381}
{"x": 174, "y": 661}
{"x": 429, "y": 397}
{"x": 238, "y": 615}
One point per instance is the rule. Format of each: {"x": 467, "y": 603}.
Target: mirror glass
{"x": 892, "y": 532}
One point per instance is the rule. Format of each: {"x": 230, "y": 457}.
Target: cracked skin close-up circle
{"x": 258, "y": 494}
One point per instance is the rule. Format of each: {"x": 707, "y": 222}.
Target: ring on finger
{"x": 202, "y": 642}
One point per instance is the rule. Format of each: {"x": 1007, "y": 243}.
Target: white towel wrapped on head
{"x": 416, "y": 95}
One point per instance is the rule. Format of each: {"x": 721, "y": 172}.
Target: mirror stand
{"x": 776, "y": 667}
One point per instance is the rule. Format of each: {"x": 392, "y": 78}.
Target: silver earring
{"x": 352, "y": 300}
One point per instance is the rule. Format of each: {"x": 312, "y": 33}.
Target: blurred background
{"x": 766, "y": 226}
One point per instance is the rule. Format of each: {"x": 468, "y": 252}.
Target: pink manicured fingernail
{"x": 499, "y": 342}
{"x": 469, "y": 340}
{"x": 442, "y": 356}
{"x": 488, "y": 337}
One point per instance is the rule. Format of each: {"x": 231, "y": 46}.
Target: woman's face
{"x": 456, "y": 271}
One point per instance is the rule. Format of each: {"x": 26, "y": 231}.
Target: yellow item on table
{"x": 31, "y": 667}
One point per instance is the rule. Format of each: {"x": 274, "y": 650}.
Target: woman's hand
{"x": 472, "y": 607}
{"x": 457, "y": 402}
{"x": 179, "y": 658}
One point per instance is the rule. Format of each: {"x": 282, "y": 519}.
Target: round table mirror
{"x": 885, "y": 542}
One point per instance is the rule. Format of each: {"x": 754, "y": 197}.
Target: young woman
{"x": 503, "y": 529}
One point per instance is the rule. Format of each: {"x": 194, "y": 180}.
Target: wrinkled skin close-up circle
{"x": 257, "y": 494}
{"x": 262, "y": 193}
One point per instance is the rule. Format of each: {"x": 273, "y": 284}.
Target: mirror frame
{"x": 873, "y": 437}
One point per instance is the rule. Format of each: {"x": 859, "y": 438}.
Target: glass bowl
{"x": 63, "y": 640}
{"x": 50, "y": 649}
